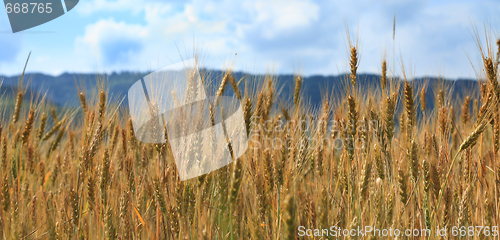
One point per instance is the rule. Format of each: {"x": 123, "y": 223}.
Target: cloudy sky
{"x": 432, "y": 37}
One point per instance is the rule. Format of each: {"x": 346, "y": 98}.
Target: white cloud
{"x": 110, "y": 41}
{"x": 93, "y": 6}
{"x": 281, "y": 32}
{"x": 275, "y": 17}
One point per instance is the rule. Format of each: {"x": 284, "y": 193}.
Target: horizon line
{"x": 240, "y": 72}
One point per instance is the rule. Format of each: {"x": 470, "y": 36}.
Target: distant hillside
{"x": 62, "y": 90}
{"x": 8, "y": 95}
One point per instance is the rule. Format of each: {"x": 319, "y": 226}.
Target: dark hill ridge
{"x": 62, "y": 90}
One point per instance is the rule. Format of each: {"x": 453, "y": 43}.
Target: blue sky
{"x": 432, "y": 37}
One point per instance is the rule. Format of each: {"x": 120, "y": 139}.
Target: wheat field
{"x": 367, "y": 160}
